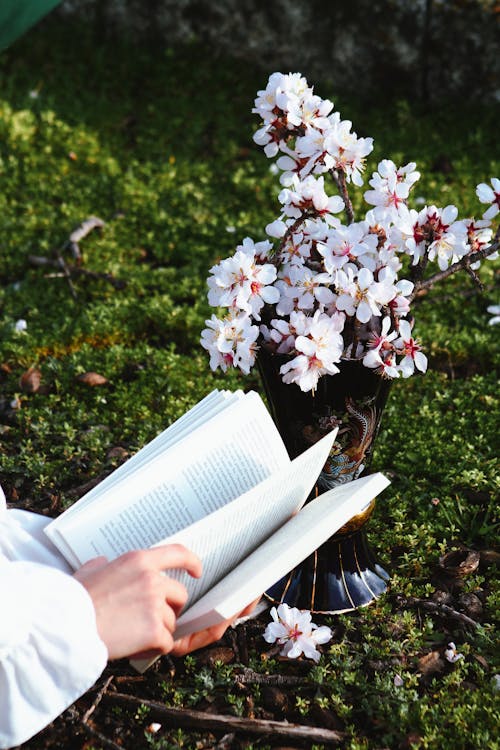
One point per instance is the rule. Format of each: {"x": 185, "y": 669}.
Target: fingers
{"x": 175, "y": 594}
{"x": 248, "y": 610}
{"x": 192, "y": 642}
{"x": 170, "y": 556}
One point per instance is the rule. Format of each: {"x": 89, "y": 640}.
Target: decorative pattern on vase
{"x": 352, "y": 446}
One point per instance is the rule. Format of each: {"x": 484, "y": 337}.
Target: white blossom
{"x": 494, "y": 310}
{"x": 363, "y": 297}
{"x": 391, "y": 186}
{"x": 309, "y": 195}
{"x": 451, "y": 654}
{"x": 307, "y": 288}
{"x": 487, "y": 194}
{"x": 348, "y": 152}
{"x": 241, "y": 282}
{"x": 294, "y": 630}
{"x": 344, "y": 244}
{"x": 317, "y": 351}
{"x": 406, "y": 345}
{"x": 230, "y": 341}
{"x": 20, "y": 325}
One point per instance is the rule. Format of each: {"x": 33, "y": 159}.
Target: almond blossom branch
{"x": 462, "y": 264}
{"x": 324, "y": 289}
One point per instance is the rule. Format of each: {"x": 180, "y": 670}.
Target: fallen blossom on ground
{"x": 293, "y": 629}
{"x": 451, "y": 654}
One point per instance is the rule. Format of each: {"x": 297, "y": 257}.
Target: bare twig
{"x": 195, "y": 720}
{"x": 249, "y": 677}
{"x": 90, "y": 729}
{"x": 71, "y": 244}
{"x": 95, "y": 734}
{"x": 339, "y": 177}
{"x": 68, "y": 271}
{"x": 440, "y": 609}
{"x": 97, "y": 699}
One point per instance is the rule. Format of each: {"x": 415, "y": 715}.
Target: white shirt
{"x": 50, "y": 650}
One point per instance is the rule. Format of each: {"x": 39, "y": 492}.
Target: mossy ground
{"x": 157, "y": 142}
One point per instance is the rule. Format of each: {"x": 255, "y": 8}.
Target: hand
{"x": 136, "y": 605}
{"x": 203, "y": 638}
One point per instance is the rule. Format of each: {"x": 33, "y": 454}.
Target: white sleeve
{"x": 50, "y": 651}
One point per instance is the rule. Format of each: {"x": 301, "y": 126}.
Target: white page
{"x": 222, "y": 539}
{"x": 288, "y": 547}
{"x": 236, "y": 450}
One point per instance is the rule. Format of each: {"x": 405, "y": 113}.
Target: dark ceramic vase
{"x": 342, "y": 574}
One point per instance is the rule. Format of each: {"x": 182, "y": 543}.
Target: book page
{"x": 281, "y": 552}
{"x": 219, "y": 461}
{"x": 222, "y": 539}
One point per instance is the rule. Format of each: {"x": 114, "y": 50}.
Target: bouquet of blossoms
{"x": 322, "y": 289}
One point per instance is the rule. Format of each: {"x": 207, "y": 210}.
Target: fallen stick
{"x": 440, "y": 609}
{"x": 248, "y": 677}
{"x": 94, "y": 733}
{"x": 189, "y": 719}
{"x": 66, "y": 271}
{"x": 97, "y": 699}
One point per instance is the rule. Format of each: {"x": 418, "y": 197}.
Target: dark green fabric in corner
{"x": 17, "y": 16}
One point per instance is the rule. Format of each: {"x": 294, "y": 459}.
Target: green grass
{"x": 157, "y": 142}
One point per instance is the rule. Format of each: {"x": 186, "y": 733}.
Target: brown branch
{"x": 340, "y": 180}
{"x": 95, "y": 734}
{"x": 460, "y": 265}
{"x": 98, "y": 699}
{"x": 116, "y": 283}
{"x": 440, "y": 609}
{"x": 68, "y": 271}
{"x": 196, "y": 720}
{"x": 249, "y": 677}
{"x": 88, "y": 728}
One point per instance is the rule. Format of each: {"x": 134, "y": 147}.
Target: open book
{"x": 219, "y": 481}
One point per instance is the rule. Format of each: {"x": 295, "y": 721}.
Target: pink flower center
{"x": 411, "y": 348}
{"x": 294, "y": 633}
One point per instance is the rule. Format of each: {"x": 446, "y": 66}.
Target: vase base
{"x": 341, "y": 576}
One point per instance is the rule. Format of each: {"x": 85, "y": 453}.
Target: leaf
{"x": 92, "y": 379}
{"x": 430, "y": 663}
{"x": 30, "y": 380}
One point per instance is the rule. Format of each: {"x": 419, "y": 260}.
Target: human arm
{"x": 57, "y": 631}
{"x": 50, "y": 650}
